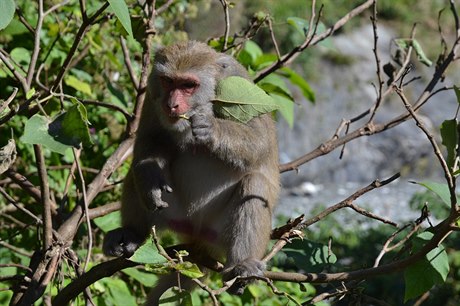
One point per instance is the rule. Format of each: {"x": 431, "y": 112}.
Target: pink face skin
{"x": 179, "y": 91}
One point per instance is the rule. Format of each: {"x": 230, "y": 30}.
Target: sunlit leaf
{"x": 299, "y": 81}
{"x": 78, "y": 84}
{"x": 109, "y": 222}
{"x": 286, "y": 108}
{"x": 71, "y": 127}
{"x": 405, "y": 43}
{"x": 7, "y": 8}
{"x": 441, "y": 190}
{"x": 36, "y": 132}
{"x": 420, "y": 54}
{"x": 120, "y": 9}
{"x": 250, "y": 53}
{"x": 427, "y": 272}
{"x": 148, "y": 254}
{"x": 189, "y": 269}
{"x": 30, "y": 93}
{"x": 241, "y": 100}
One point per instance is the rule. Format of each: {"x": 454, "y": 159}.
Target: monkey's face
{"x": 184, "y": 94}
{"x": 178, "y": 92}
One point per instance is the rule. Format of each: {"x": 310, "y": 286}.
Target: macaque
{"x": 211, "y": 180}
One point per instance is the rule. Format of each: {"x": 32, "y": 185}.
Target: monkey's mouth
{"x": 174, "y": 117}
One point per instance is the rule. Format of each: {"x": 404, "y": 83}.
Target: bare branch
{"x": 46, "y": 200}
{"x": 227, "y": 23}
{"x": 128, "y": 64}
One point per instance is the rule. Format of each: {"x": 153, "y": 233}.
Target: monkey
{"x": 213, "y": 181}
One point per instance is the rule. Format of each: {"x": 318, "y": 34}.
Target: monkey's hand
{"x": 121, "y": 242}
{"x": 150, "y": 183}
{"x": 154, "y": 197}
{"x": 246, "y": 268}
{"x": 203, "y": 127}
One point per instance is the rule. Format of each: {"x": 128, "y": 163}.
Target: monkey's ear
{"x": 230, "y": 67}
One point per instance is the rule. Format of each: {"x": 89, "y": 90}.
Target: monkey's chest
{"x": 202, "y": 181}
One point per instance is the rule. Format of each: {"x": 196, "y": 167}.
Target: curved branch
{"x": 96, "y": 273}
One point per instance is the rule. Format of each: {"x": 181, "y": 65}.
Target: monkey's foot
{"x": 121, "y": 242}
{"x": 249, "y": 267}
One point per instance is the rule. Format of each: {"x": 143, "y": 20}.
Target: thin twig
{"x": 78, "y": 38}
{"x": 348, "y": 202}
{"x": 227, "y": 23}
{"x": 21, "y": 79}
{"x": 10, "y": 99}
{"x": 128, "y": 63}
{"x": 447, "y": 174}
{"x": 36, "y": 51}
{"x": 272, "y": 35}
{"x": 377, "y": 62}
{"x": 76, "y": 156}
{"x": 46, "y": 200}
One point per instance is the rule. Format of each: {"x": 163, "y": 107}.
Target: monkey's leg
{"x": 248, "y": 230}
{"x": 136, "y": 224}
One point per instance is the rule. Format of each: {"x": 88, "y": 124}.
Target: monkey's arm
{"x": 148, "y": 171}
{"x": 242, "y": 145}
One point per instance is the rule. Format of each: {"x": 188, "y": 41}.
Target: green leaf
{"x": 30, "y": 93}
{"x": 300, "y": 24}
{"x": 449, "y": 135}
{"x": 148, "y": 254}
{"x": 457, "y": 93}
{"x": 109, "y": 222}
{"x": 250, "y": 53}
{"x": 120, "y": 9}
{"x": 441, "y": 190}
{"x": 36, "y": 132}
{"x": 402, "y": 43}
{"x": 146, "y": 279}
{"x": 424, "y": 274}
{"x": 286, "y": 108}
{"x": 405, "y": 43}
{"x": 275, "y": 84}
{"x": 175, "y": 297}
{"x": 308, "y": 255}
{"x": 189, "y": 269}
{"x": 79, "y": 85}
{"x": 276, "y": 88}
{"x": 420, "y": 54}
{"x": 21, "y": 56}
{"x": 264, "y": 60}
{"x": 241, "y": 100}
{"x": 71, "y": 127}
{"x": 300, "y": 82}
{"x": 119, "y": 292}
{"x": 7, "y": 8}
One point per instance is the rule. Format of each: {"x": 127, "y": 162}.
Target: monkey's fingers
{"x": 166, "y": 188}
{"x": 155, "y": 202}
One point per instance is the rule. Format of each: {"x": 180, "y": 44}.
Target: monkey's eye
{"x": 189, "y": 85}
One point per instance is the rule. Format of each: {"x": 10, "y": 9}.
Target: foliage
{"x": 71, "y": 75}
